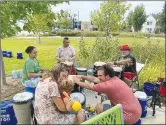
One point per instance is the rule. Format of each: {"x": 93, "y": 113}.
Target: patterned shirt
{"x": 46, "y": 111}
{"x": 65, "y": 52}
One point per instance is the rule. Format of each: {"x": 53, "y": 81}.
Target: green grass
{"x": 47, "y": 49}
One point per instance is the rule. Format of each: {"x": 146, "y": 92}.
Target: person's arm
{"x": 59, "y": 103}
{"x": 55, "y": 96}
{"x": 91, "y": 79}
{"x": 30, "y": 69}
{"x": 58, "y": 55}
{"x": 73, "y": 54}
{"x": 33, "y": 75}
{"x": 127, "y": 61}
{"x": 68, "y": 104}
{"x": 100, "y": 87}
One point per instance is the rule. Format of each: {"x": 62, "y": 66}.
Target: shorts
{"x": 32, "y": 83}
{"x": 106, "y": 106}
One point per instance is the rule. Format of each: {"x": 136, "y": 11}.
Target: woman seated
{"x": 49, "y": 106}
{"x": 31, "y": 68}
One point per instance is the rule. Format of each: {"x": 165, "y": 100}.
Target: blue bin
{"x": 143, "y": 103}
{"x": 4, "y": 53}
{"x": 138, "y": 122}
{"x": 148, "y": 88}
{"x": 7, "y": 113}
{"x": 143, "y": 100}
{"x": 9, "y": 54}
{"x": 19, "y": 56}
{"x": 30, "y": 89}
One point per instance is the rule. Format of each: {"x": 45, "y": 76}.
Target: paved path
{"x": 159, "y": 117}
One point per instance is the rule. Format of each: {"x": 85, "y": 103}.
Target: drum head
{"x": 67, "y": 63}
{"x": 81, "y": 69}
{"x": 99, "y": 63}
{"x": 22, "y": 97}
{"x": 78, "y": 96}
{"x": 117, "y": 69}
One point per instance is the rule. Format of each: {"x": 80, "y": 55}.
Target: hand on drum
{"x": 129, "y": 61}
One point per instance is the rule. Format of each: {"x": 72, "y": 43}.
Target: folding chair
{"x": 135, "y": 79}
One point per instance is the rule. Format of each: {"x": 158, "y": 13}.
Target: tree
{"x": 12, "y": 12}
{"x": 110, "y": 16}
{"x": 160, "y": 20}
{"x": 64, "y": 20}
{"x": 138, "y": 17}
{"x": 38, "y": 23}
{"x": 130, "y": 20}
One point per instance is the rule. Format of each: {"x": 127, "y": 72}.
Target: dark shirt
{"x": 131, "y": 68}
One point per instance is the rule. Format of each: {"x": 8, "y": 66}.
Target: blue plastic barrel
{"x": 9, "y": 54}
{"x": 7, "y": 113}
{"x": 143, "y": 100}
{"x": 4, "y": 53}
{"x": 19, "y": 56}
{"x": 30, "y": 89}
{"x": 148, "y": 88}
{"x": 138, "y": 122}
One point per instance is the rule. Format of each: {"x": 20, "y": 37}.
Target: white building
{"x": 150, "y": 25}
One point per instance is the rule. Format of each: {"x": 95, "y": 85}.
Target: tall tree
{"x": 139, "y": 17}
{"x": 38, "y": 23}
{"x": 130, "y": 20}
{"x": 110, "y": 16}
{"x": 12, "y": 12}
{"x": 64, "y": 20}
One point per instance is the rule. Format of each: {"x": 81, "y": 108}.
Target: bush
{"x": 152, "y": 55}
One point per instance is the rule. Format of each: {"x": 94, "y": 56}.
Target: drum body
{"x": 79, "y": 97}
{"x": 118, "y": 71}
{"x": 81, "y": 71}
{"x": 96, "y": 66}
{"x": 22, "y": 103}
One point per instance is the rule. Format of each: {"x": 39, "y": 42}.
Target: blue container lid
{"x": 6, "y": 103}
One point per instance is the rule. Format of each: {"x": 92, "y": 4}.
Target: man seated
{"x": 128, "y": 64}
{"x": 117, "y": 92}
{"x": 66, "y": 53}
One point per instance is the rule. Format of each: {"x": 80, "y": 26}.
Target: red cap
{"x": 125, "y": 47}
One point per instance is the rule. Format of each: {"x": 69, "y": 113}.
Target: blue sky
{"x": 85, "y": 7}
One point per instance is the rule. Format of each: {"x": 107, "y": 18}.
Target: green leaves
{"x": 137, "y": 18}
{"x": 12, "y": 12}
{"x": 110, "y": 16}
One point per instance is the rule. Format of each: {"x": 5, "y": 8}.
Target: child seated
{"x": 66, "y": 85}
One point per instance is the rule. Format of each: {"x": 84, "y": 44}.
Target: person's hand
{"x": 70, "y": 60}
{"x": 76, "y": 79}
{"x": 110, "y": 63}
{"x": 62, "y": 60}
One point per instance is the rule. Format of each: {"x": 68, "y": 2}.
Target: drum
{"x": 118, "y": 71}
{"x": 22, "y": 103}
{"x": 96, "y": 66}
{"x": 79, "y": 97}
{"x": 71, "y": 66}
{"x": 81, "y": 71}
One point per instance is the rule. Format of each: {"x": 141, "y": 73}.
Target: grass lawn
{"x": 47, "y": 49}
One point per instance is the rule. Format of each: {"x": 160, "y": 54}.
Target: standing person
{"x": 31, "y": 68}
{"x": 117, "y": 92}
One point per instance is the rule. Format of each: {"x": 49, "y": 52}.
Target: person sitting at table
{"x": 31, "y": 69}
{"x": 116, "y": 90}
{"x": 128, "y": 64}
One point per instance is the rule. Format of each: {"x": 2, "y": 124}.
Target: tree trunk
{"x": 39, "y": 38}
{"x": 2, "y": 69}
